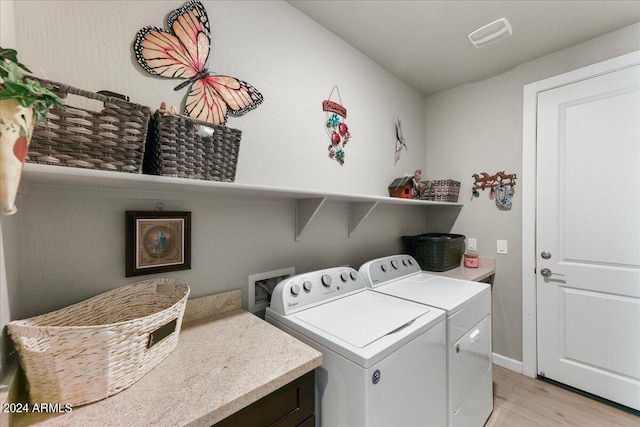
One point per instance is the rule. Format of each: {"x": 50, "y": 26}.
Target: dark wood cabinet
{"x": 289, "y": 406}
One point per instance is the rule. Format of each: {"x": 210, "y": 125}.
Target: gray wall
{"x": 66, "y": 244}
{"x": 477, "y": 128}
{"x": 294, "y": 62}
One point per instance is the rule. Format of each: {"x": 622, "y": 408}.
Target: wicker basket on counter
{"x": 99, "y": 347}
{"x": 112, "y": 138}
{"x": 441, "y": 190}
{"x": 184, "y": 147}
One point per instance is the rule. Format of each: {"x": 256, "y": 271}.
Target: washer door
{"x": 470, "y": 361}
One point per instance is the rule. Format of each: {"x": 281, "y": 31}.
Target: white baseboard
{"x": 505, "y": 362}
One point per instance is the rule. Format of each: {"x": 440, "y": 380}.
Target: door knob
{"x": 546, "y": 273}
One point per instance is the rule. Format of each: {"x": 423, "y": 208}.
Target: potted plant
{"x": 23, "y": 101}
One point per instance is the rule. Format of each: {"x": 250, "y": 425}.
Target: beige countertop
{"x": 486, "y": 268}
{"x": 226, "y": 359}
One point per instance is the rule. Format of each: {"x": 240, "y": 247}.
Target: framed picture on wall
{"x": 157, "y": 242}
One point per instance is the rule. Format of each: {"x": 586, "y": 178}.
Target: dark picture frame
{"x": 157, "y": 242}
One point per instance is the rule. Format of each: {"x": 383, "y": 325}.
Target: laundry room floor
{"x": 527, "y": 402}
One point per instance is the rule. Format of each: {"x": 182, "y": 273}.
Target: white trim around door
{"x": 529, "y": 124}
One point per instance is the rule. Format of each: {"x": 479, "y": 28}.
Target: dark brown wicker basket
{"x": 175, "y": 148}
{"x": 442, "y": 190}
{"x": 112, "y": 139}
{"x": 436, "y": 251}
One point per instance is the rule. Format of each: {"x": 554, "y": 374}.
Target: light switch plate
{"x": 502, "y": 247}
{"x": 472, "y": 244}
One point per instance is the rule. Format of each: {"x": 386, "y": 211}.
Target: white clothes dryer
{"x": 383, "y": 359}
{"x": 468, "y": 308}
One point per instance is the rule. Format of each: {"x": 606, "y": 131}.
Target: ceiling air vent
{"x": 490, "y": 33}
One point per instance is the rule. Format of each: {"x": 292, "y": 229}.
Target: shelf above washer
{"x": 308, "y": 203}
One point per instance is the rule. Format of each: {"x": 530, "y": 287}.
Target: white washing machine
{"x": 383, "y": 359}
{"x": 468, "y": 308}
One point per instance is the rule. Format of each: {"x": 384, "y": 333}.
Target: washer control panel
{"x": 317, "y": 287}
{"x": 383, "y": 270}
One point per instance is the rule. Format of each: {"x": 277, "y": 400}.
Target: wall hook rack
{"x": 501, "y": 185}
{"x": 484, "y": 180}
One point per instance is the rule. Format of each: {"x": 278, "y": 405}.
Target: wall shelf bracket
{"x": 306, "y": 210}
{"x": 358, "y": 211}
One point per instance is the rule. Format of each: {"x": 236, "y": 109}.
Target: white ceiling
{"x": 425, "y": 43}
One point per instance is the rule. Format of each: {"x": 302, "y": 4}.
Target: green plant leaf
{"x": 11, "y": 55}
{"x": 26, "y": 91}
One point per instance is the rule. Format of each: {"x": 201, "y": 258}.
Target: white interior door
{"x": 588, "y": 221}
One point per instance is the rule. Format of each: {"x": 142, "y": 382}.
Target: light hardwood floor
{"x": 520, "y": 401}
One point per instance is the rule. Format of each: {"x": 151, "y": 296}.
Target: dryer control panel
{"x": 383, "y": 270}
{"x": 317, "y": 287}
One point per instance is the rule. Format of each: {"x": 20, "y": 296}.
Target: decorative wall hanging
{"x": 503, "y": 195}
{"x": 157, "y": 242}
{"x": 335, "y": 126}
{"x": 501, "y": 185}
{"x": 23, "y": 101}
{"x": 400, "y": 142}
{"x": 182, "y": 54}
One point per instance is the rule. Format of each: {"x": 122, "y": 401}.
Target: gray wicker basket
{"x": 442, "y": 190}
{"x": 112, "y": 139}
{"x": 176, "y": 147}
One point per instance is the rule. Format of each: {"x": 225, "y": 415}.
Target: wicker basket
{"x": 442, "y": 190}
{"x": 175, "y": 147}
{"x": 436, "y": 251}
{"x": 112, "y": 139}
{"x": 99, "y": 347}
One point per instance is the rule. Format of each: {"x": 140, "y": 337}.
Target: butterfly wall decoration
{"x": 182, "y": 53}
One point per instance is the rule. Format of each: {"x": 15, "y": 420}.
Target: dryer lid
{"x": 442, "y": 292}
{"x": 362, "y": 318}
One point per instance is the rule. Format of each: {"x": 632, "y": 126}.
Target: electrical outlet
{"x": 262, "y": 284}
{"x": 502, "y": 247}
{"x": 472, "y": 244}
